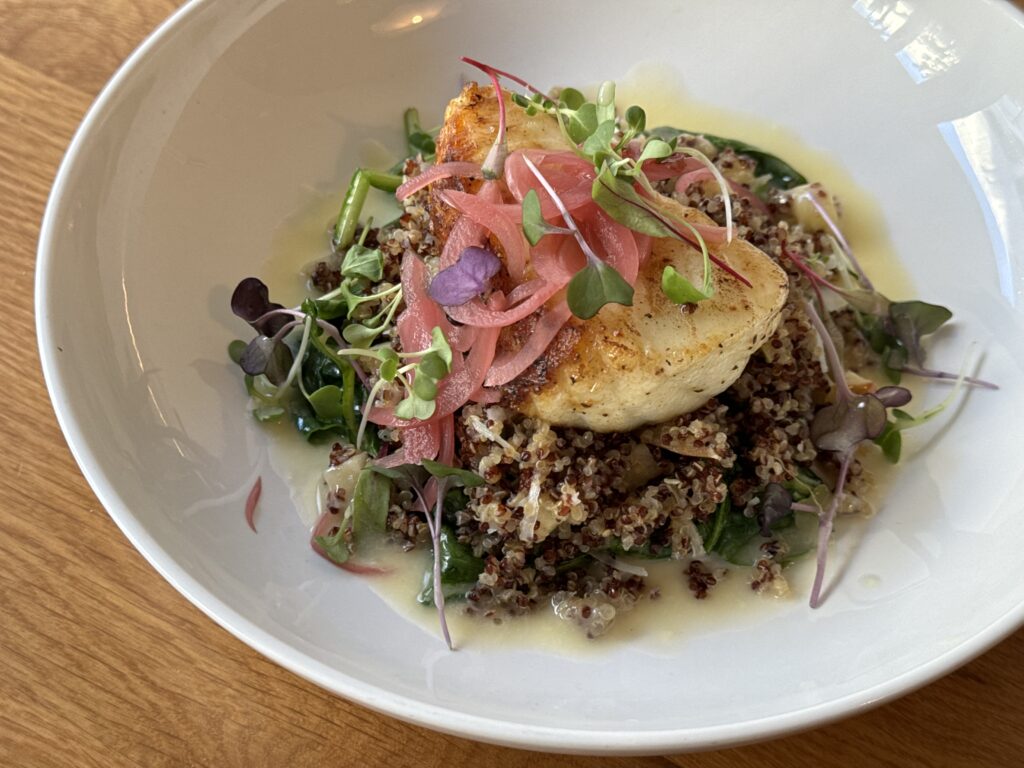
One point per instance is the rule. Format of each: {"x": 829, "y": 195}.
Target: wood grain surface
{"x": 102, "y": 663}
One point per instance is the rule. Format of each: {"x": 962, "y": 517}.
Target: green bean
{"x": 355, "y": 198}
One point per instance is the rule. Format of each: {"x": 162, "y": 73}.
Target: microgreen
{"x": 268, "y": 356}
{"x": 780, "y": 173}
{"x": 493, "y": 165}
{"x": 594, "y": 286}
{"x": 415, "y": 478}
{"x": 593, "y": 131}
{"x": 361, "y": 261}
{"x": 534, "y": 225}
{"x": 466, "y": 278}
{"x": 251, "y": 301}
{"x": 312, "y": 377}
{"x": 460, "y": 569}
{"x": 840, "y": 428}
{"x": 597, "y": 283}
{"x": 417, "y": 140}
{"x": 775, "y": 503}
{"x": 620, "y": 200}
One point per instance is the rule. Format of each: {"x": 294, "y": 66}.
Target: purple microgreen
{"x": 913, "y": 319}
{"x": 514, "y": 78}
{"x": 251, "y": 302}
{"x": 928, "y": 373}
{"x": 845, "y": 424}
{"x": 268, "y": 356}
{"x": 444, "y": 477}
{"x": 466, "y": 279}
{"x": 825, "y": 524}
{"x": 838, "y": 234}
{"x": 893, "y": 397}
{"x": 831, "y": 354}
{"x": 775, "y": 503}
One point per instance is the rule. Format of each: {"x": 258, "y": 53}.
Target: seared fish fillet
{"x": 655, "y": 360}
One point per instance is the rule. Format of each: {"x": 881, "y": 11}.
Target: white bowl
{"x": 237, "y": 119}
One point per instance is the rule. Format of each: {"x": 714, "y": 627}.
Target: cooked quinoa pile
{"x": 568, "y": 517}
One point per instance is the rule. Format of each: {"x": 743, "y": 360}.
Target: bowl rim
{"x": 439, "y": 718}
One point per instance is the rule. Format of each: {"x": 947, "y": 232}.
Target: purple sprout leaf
{"x": 893, "y": 397}
{"x": 913, "y": 319}
{"x": 775, "y": 504}
{"x": 466, "y": 278}
{"x": 840, "y": 427}
{"x": 251, "y": 302}
{"x": 268, "y": 356}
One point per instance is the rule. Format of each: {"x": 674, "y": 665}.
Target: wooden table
{"x": 102, "y": 663}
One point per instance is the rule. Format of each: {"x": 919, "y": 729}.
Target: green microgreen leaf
{"x": 361, "y": 261}
{"x": 891, "y": 442}
{"x": 606, "y": 102}
{"x": 581, "y": 123}
{"x": 572, "y": 98}
{"x": 439, "y": 344}
{"x": 599, "y": 144}
{"x": 413, "y": 407}
{"x": 681, "y": 291}
{"x": 389, "y": 364}
{"x": 594, "y": 286}
{"x": 327, "y": 402}
{"x": 654, "y": 149}
{"x": 359, "y": 335}
{"x": 534, "y": 225}
{"x": 461, "y": 476}
{"x": 424, "y": 387}
{"x": 617, "y": 197}
{"x": 636, "y": 119}
{"x": 370, "y": 501}
{"x": 433, "y": 366}
{"x": 235, "y": 350}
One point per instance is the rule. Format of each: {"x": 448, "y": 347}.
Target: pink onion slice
{"x": 436, "y": 173}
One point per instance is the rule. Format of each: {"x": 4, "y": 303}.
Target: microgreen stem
{"x": 370, "y": 399}
{"x": 723, "y": 186}
{"x": 831, "y": 354}
{"x": 435, "y": 532}
{"x": 865, "y": 281}
{"x": 825, "y": 525}
{"x": 671, "y": 225}
{"x": 592, "y": 257}
{"x": 297, "y": 363}
{"x": 518, "y": 80}
{"x": 798, "y": 507}
{"x": 945, "y": 376}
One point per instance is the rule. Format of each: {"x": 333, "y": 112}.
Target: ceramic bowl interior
{"x": 228, "y": 139}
